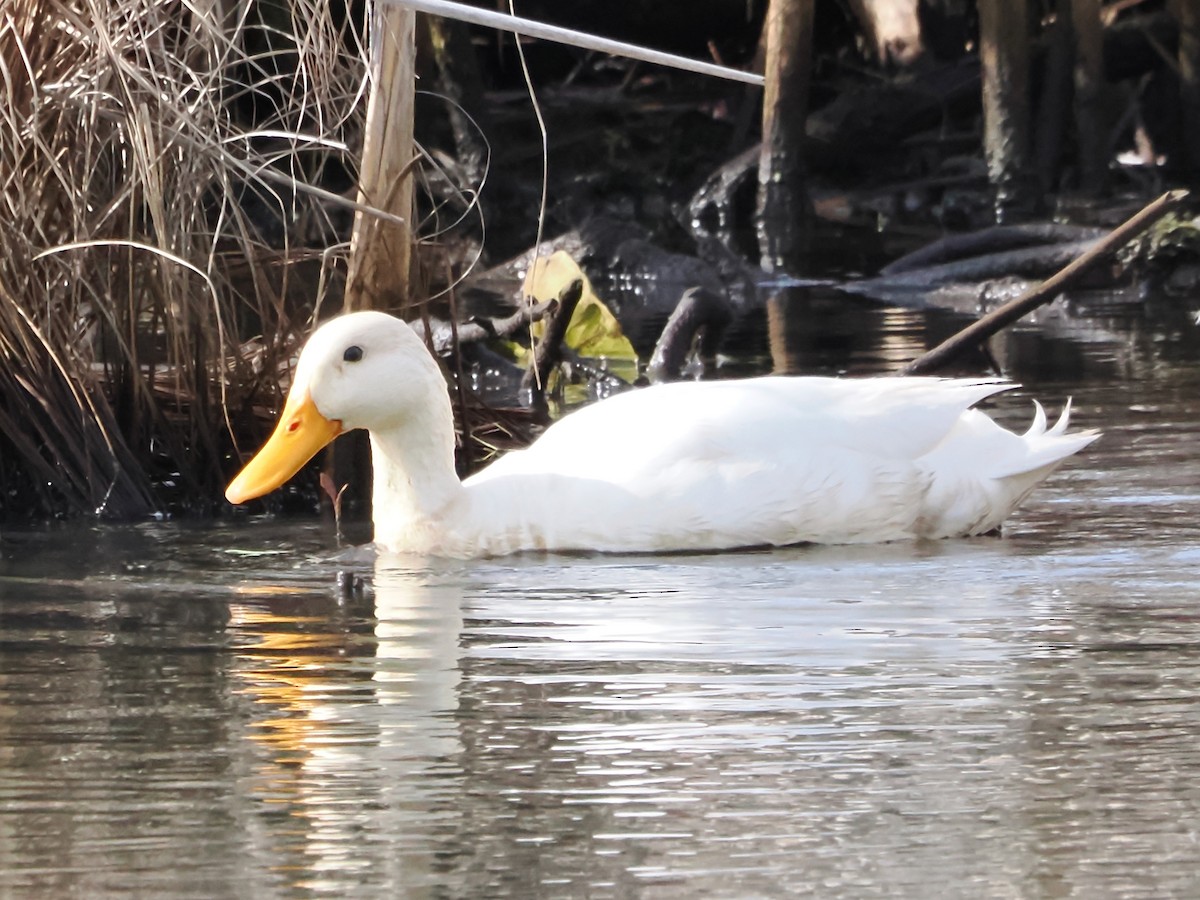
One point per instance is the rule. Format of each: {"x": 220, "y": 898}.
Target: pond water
{"x": 192, "y": 710}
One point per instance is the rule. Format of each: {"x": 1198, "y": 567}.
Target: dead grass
{"x": 154, "y": 159}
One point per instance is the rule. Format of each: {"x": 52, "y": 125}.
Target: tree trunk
{"x": 1055, "y": 96}
{"x": 1188, "y": 14}
{"x": 381, "y": 249}
{"x": 785, "y": 212}
{"x": 1004, "y": 58}
{"x": 1091, "y": 136}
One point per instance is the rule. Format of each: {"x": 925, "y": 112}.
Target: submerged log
{"x": 990, "y": 241}
{"x": 910, "y": 287}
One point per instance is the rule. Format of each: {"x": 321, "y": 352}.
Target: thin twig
{"x": 545, "y": 136}
{"x": 460, "y": 383}
{"x": 1010, "y": 312}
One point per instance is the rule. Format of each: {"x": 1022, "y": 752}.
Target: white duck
{"x": 686, "y": 466}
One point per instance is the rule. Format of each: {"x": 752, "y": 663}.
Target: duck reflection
{"x": 354, "y": 702}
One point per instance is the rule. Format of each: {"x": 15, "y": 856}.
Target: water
{"x": 200, "y": 711}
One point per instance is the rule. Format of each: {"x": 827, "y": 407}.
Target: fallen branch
{"x": 441, "y": 335}
{"x": 1010, "y": 312}
{"x": 699, "y": 311}
{"x": 548, "y": 351}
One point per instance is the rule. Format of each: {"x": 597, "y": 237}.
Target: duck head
{"x": 361, "y": 370}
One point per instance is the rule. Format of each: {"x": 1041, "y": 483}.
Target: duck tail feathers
{"x": 1060, "y": 427}
{"x": 1046, "y": 447}
{"x": 1038, "y": 427}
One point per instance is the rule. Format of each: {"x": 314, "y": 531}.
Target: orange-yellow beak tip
{"x": 238, "y": 491}
{"x": 301, "y": 432}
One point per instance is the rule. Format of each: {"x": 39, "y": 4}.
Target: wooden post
{"x": 1004, "y": 58}
{"x": 381, "y": 250}
{"x": 785, "y": 212}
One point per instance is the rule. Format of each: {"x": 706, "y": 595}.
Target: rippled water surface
{"x": 200, "y": 711}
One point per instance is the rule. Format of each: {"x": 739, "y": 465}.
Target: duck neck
{"x": 414, "y": 477}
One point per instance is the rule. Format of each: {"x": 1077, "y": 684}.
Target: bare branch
{"x": 1043, "y": 293}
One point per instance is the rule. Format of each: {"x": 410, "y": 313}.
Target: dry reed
{"x": 154, "y": 164}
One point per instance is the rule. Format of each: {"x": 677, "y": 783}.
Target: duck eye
{"x": 353, "y": 353}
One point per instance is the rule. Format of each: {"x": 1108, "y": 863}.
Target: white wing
{"x": 717, "y": 464}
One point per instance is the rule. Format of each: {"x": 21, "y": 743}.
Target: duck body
{"x": 687, "y": 466}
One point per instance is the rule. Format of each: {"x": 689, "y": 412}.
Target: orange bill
{"x": 301, "y": 432}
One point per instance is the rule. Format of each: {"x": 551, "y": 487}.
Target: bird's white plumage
{"x": 685, "y": 466}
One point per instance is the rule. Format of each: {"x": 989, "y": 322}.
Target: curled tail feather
{"x": 982, "y": 471}
{"x": 1046, "y": 446}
